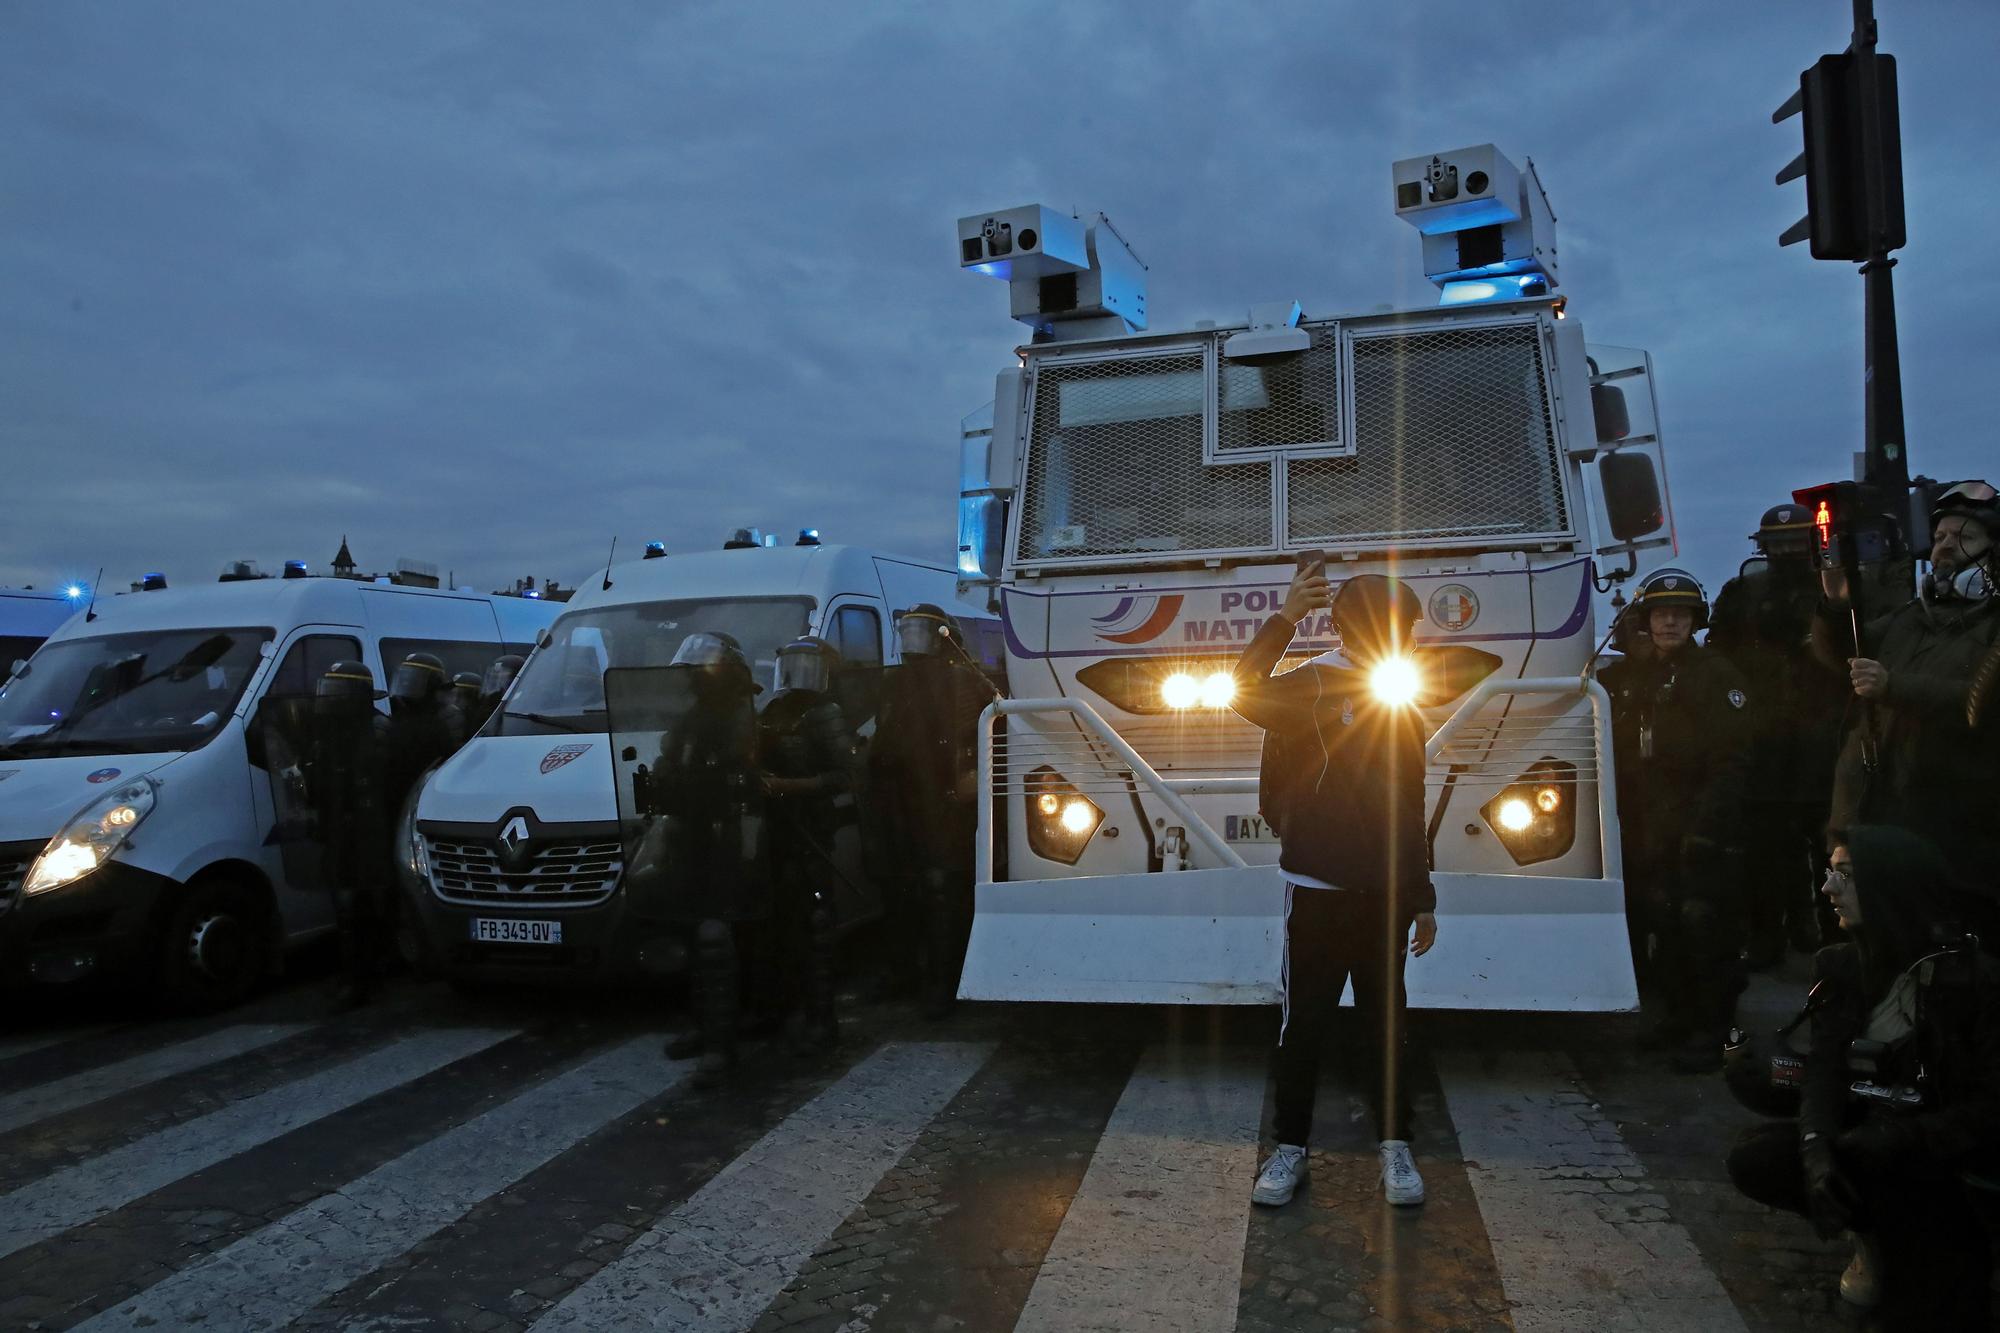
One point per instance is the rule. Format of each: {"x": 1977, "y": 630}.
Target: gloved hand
{"x": 1881, "y": 1139}
{"x": 1832, "y": 1203}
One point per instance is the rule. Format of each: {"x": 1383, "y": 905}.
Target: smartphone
{"x": 1312, "y": 562}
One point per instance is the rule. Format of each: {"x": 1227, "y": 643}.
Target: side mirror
{"x": 1614, "y": 418}
{"x": 1632, "y": 502}
{"x": 20, "y": 668}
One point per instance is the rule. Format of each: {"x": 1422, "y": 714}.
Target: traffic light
{"x": 1853, "y": 160}
{"x": 1851, "y": 524}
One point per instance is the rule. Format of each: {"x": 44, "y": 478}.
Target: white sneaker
{"x": 1401, "y": 1184}
{"x": 1281, "y": 1175}
{"x": 1861, "y": 1282}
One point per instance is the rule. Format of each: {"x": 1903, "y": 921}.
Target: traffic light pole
{"x": 1886, "y": 461}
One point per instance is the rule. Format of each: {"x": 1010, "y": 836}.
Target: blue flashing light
{"x": 808, "y": 537}
{"x": 654, "y": 550}
{"x": 1002, "y": 269}
{"x": 531, "y": 593}
{"x": 1507, "y": 287}
{"x": 76, "y": 592}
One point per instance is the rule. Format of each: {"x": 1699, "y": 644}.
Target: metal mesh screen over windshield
{"x": 1115, "y": 465}
{"x": 1289, "y": 403}
{"x": 1453, "y": 438}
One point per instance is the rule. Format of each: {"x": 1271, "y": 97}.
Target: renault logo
{"x": 514, "y": 834}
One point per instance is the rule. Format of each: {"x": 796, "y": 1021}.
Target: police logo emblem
{"x": 1454, "y": 607}
{"x": 1737, "y": 699}
{"x": 102, "y": 775}
{"x": 561, "y": 755}
{"x": 1670, "y": 583}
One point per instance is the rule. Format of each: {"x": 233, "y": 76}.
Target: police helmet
{"x": 419, "y": 678}
{"x": 347, "y": 680}
{"x": 1667, "y": 588}
{"x": 1975, "y": 500}
{"x": 465, "y": 686}
{"x": 807, "y": 663}
{"x": 1785, "y": 529}
{"x": 924, "y": 630}
{"x": 1372, "y": 608}
{"x": 500, "y": 675}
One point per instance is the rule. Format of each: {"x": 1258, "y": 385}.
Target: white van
{"x": 516, "y": 839}
{"x": 139, "y": 809}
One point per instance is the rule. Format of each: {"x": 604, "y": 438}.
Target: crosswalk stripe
{"x": 77, "y": 1194}
{"x": 94, "y": 1085}
{"x": 715, "y": 1262}
{"x": 20, "y": 1046}
{"x": 1155, "y": 1237}
{"x": 274, "y": 1275}
{"x": 1580, "y": 1241}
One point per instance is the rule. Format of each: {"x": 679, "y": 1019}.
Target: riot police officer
{"x": 708, "y": 791}
{"x": 922, "y": 780}
{"x": 808, "y": 757}
{"x": 416, "y": 734}
{"x": 354, "y": 842}
{"x": 1762, "y": 622}
{"x": 1680, "y": 726}
{"x": 461, "y": 708}
{"x": 493, "y": 686}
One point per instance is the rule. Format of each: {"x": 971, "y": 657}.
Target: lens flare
{"x": 1515, "y": 815}
{"x": 1548, "y": 800}
{"x": 1218, "y": 690}
{"x": 1395, "y": 681}
{"x": 1180, "y": 690}
{"x": 1077, "y": 817}
{"x": 1049, "y": 803}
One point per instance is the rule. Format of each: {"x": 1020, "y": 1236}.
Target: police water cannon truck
{"x": 1132, "y": 504}
{"x": 157, "y": 821}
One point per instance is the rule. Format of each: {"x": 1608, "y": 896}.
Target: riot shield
{"x": 285, "y": 735}
{"x": 691, "y": 807}
{"x": 823, "y": 837}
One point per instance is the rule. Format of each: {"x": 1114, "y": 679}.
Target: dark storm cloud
{"x": 485, "y": 285}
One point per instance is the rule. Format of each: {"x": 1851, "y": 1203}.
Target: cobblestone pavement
{"x": 1571, "y": 1182}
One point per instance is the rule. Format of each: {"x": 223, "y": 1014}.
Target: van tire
{"x": 216, "y": 947}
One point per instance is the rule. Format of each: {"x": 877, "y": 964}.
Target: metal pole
{"x": 1887, "y": 463}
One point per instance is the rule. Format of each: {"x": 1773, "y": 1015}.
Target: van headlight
{"x": 1535, "y": 816}
{"x": 416, "y": 857}
{"x": 91, "y": 837}
{"x": 1061, "y": 819}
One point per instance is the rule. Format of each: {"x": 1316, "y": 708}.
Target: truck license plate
{"x": 1246, "y": 828}
{"x": 493, "y": 930}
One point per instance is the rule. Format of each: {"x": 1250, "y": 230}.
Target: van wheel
{"x": 216, "y": 948}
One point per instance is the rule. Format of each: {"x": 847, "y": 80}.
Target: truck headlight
{"x": 1535, "y": 816}
{"x": 1061, "y": 819}
{"x": 1184, "y": 689}
{"x": 91, "y": 837}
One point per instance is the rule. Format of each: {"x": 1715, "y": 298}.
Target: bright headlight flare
{"x": 1061, "y": 819}
{"x": 1219, "y": 690}
{"x": 1395, "y": 681}
{"x": 1534, "y": 816}
{"x": 91, "y": 837}
{"x": 1180, "y": 690}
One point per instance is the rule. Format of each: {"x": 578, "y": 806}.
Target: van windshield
{"x": 128, "y": 693}
{"x": 562, "y": 687}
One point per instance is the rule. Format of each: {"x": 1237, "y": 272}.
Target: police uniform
{"x": 808, "y": 753}
{"x": 353, "y": 835}
{"x": 1681, "y": 734}
{"x": 920, "y": 765}
{"x": 1762, "y": 623}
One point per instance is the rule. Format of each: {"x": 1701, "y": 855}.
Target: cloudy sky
{"x": 488, "y": 284}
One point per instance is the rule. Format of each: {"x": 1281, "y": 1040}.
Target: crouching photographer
{"x": 1897, "y": 1090}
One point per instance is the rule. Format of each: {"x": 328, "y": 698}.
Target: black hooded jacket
{"x": 1343, "y": 774}
{"x": 1906, "y": 898}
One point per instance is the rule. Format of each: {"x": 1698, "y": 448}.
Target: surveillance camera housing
{"x": 1067, "y": 277}
{"x": 1479, "y": 214}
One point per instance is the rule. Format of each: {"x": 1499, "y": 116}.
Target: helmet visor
{"x": 804, "y": 669}
{"x": 704, "y": 649}
{"x": 415, "y": 680}
{"x": 920, "y": 634}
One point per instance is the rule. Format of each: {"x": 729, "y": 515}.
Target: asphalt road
{"x": 436, "y": 1161}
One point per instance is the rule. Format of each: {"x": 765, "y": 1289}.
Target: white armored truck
{"x": 1133, "y": 507}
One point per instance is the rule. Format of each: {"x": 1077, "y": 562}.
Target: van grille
{"x": 470, "y": 873}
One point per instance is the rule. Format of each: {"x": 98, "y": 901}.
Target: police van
{"x": 27, "y": 617}
{"x": 516, "y": 846}
{"x": 1135, "y": 501}
{"x": 148, "y": 768}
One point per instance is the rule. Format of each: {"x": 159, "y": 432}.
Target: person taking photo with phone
{"x": 1342, "y": 784}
